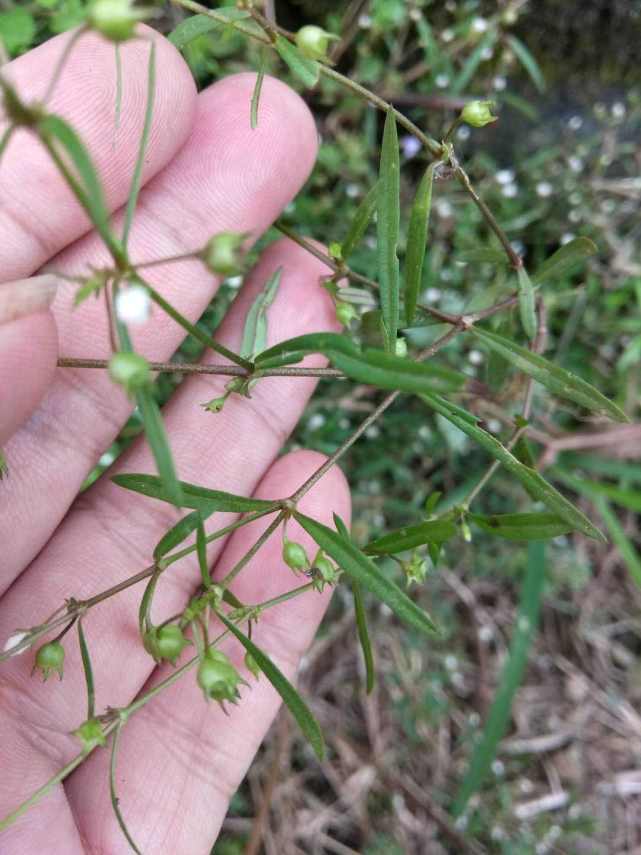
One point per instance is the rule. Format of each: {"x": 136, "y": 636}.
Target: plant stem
{"x": 198, "y": 368}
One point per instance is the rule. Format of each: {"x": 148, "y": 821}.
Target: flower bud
{"x": 252, "y": 665}
{"x": 478, "y": 113}
{"x": 129, "y": 370}
{"x": 345, "y": 313}
{"x": 415, "y": 569}
{"x": 90, "y": 734}
{"x": 218, "y": 678}
{"x": 133, "y": 305}
{"x": 313, "y": 41}
{"x": 114, "y": 19}
{"x": 222, "y": 253}
{"x": 323, "y": 572}
{"x": 294, "y": 556}
{"x": 50, "y": 657}
{"x": 167, "y": 642}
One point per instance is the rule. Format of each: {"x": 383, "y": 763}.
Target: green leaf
{"x": 535, "y": 526}
{"x": 17, "y": 30}
{"x": 199, "y": 498}
{"x": 177, "y": 534}
{"x": 484, "y": 255}
{"x": 472, "y": 63}
{"x": 295, "y": 704}
{"x": 593, "y": 489}
{"x": 85, "y": 184}
{"x": 563, "y": 383}
{"x": 416, "y": 242}
{"x": 364, "y": 572}
{"x": 159, "y": 444}
{"x": 564, "y": 259}
{"x": 511, "y": 676}
{"x": 363, "y": 637}
{"x": 527, "y": 303}
{"x": 136, "y": 179}
{"x": 199, "y": 25}
{"x": 306, "y": 70}
{"x": 411, "y": 536}
{"x": 373, "y": 329}
{"x": 88, "y": 671}
{"x": 628, "y": 553}
{"x": 358, "y": 227}
{"x": 528, "y": 62}
{"x": 294, "y": 349}
{"x": 388, "y": 224}
{"x": 258, "y": 86}
{"x": 255, "y": 330}
{"x": 534, "y": 483}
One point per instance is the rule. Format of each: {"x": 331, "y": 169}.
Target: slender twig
{"x": 199, "y": 368}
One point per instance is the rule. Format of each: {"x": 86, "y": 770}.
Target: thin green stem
{"x": 115, "y": 802}
{"x": 199, "y": 368}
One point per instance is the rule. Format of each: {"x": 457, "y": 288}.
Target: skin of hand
{"x": 206, "y": 171}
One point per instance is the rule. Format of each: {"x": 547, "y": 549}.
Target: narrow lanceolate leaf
{"x": 563, "y": 383}
{"x": 306, "y": 70}
{"x": 258, "y": 86}
{"x": 255, "y": 330}
{"x": 291, "y": 698}
{"x": 70, "y": 154}
{"x": 199, "y": 25}
{"x": 177, "y": 534}
{"x": 527, "y": 303}
{"x": 411, "y": 536}
{"x": 199, "y": 498}
{"x": 136, "y": 180}
{"x": 159, "y": 444}
{"x": 628, "y": 553}
{"x": 564, "y": 259}
{"x": 593, "y": 489}
{"x": 511, "y": 676}
{"x": 528, "y": 62}
{"x": 384, "y": 370}
{"x": 534, "y": 483}
{"x": 362, "y": 217}
{"x": 87, "y": 669}
{"x": 363, "y": 637}
{"x": 535, "y": 526}
{"x": 416, "y": 242}
{"x": 484, "y": 255}
{"x": 362, "y": 570}
{"x": 388, "y": 224}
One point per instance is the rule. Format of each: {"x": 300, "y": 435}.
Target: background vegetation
{"x": 562, "y": 161}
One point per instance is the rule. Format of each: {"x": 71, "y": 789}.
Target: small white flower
{"x": 475, "y": 357}
{"x": 487, "y": 53}
{"x": 510, "y": 191}
{"x": 316, "y": 421}
{"x": 485, "y": 633}
{"x": 575, "y": 123}
{"x": 352, "y": 191}
{"x": 575, "y": 163}
{"x": 365, "y": 22}
{"x": 133, "y": 305}
{"x": 463, "y": 132}
{"x": 544, "y": 188}
{"x": 444, "y": 208}
{"x": 450, "y": 662}
{"x": 13, "y": 641}
{"x": 235, "y": 281}
{"x": 432, "y": 295}
{"x": 410, "y": 146}
{"x": 499, "y": 83}
{"x": 442, "y": 80}
{"x": 498, "y": 768}
{"x": 479, "y": 25}
{"x": 494, "y": 426}
{"x": 505, "y": 176}
{"x": 373, "y": 432}
{"x": 567, "y": 237}
{"x": 618, "y": 110}
{"x": 447, "y": 35}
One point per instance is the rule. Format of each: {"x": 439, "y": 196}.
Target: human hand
{"x": 206, "y": 171}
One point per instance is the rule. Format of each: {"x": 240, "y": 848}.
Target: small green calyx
{"x": 313, "y": 42}
{"x": 90, "y": 734}
{"x": 295, "y": 556}
{"x": 167, "y": 642}
{"x": 323, "y": 572}
{"x": 415, "y": 569}
{"x": 129, "y": 370}
{"x": 222, "y": 253}
{"x": 114, "y": 19}
{"x": 345, "y": 313}
{"x": 50, "y": 657}
{"x": 478, "y": 113}
{"x": 218, "y": 678}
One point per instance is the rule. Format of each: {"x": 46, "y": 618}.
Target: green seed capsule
{"x": 170, "y": 643}
{"x": 478, "y": 113}
{"x": 345, "y": 313}
{"x": 295, "y": 556}
{"x": 415, "y": 569}
{"x": 50, "y": 657}
{"x": 222, "y": 253}
{"x": 218, "y": 678}
{"x": 313, "y": 42}
{"x": 114, "y": 19}
{"x": 129, "y": 370}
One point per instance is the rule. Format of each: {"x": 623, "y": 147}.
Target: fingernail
{"x": 26, "y": 297}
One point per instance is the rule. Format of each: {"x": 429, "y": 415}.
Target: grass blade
{"x": 362, "y": 570}
{"x": 416, "y": 242}
{"x": 563, "y": 383}
{"x": 293, "y": 701}
{"x": 144, "y": 139}
{"x": 388, "y": 224}
{"x": 499, "y": 715}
